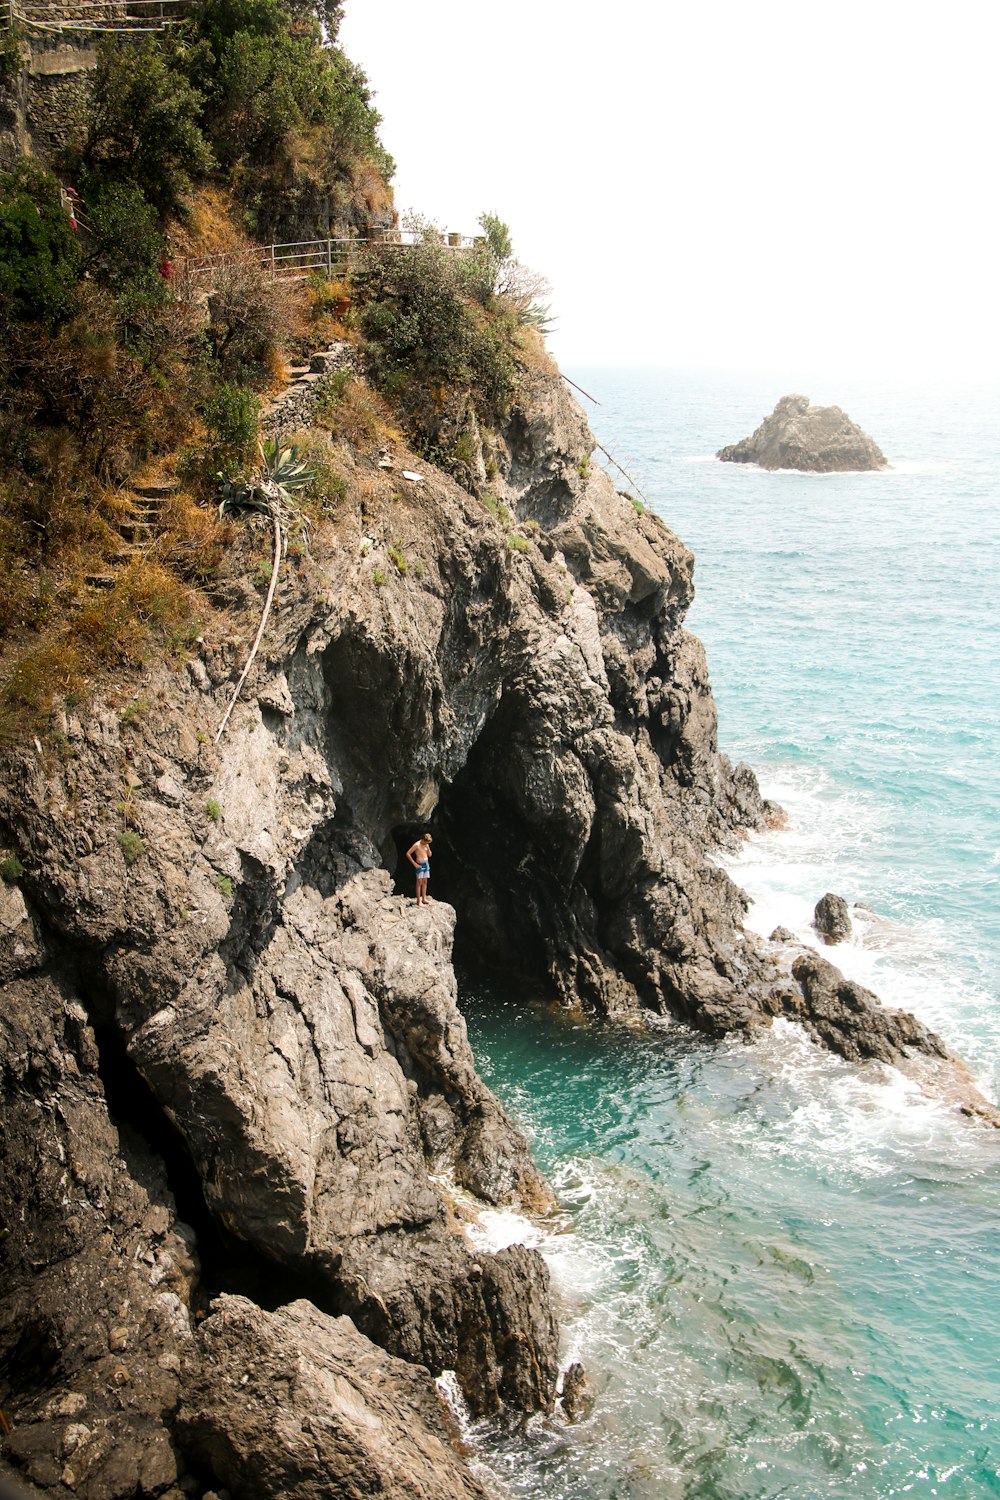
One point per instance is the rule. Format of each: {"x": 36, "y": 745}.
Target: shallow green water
{"x": 780, "y": 1276}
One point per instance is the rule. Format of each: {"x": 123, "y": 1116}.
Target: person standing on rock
{"x": 419, "y": 855}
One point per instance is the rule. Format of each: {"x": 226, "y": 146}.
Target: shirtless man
{"x": 419, "y": 855}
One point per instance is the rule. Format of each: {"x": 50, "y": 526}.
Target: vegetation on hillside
{"x": 194, "y": 141}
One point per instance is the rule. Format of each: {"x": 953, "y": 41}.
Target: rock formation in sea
{"x": 821, "y": 439}
{"x": 242, "y": 1119}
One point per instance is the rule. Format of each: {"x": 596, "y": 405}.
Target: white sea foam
{"x": 864, "y": 1118}
{"x": 909, "y": 965}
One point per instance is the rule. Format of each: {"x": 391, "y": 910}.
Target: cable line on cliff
{"x": 599, "y": 446}
{"x": 579, "y": 388}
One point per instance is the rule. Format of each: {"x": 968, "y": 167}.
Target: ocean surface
{"x": 781, "y": 1272}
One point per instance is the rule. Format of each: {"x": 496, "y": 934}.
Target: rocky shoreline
{"x": 234, "y": 1066}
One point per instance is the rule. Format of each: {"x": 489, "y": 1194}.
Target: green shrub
{"x": 497, "y": 509}
{"x": 516, "y": 543}
{"x": 232, "y": 416}
{"x": 11, "y": 59}
{"x": 637, "y": 505}
{"x": 40, "y": 259}
{"x": 378, "y": 578}
{"x": 224, "y": 884}
{"x": 264, "y": 75}
{"x": 131, "y": 846}
{"x": 419, "y": 320}
{"x": 465, "y": 448}
{"x": 213, "y": 809}
{"x": 398, "y": 559}
{"x": 127, "y": 244}
{"x": 11, "y": 868}
{"x": 332, "y": 390}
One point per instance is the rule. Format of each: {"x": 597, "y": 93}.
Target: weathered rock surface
{"x": 849, "y": 1019}
{"x": 97, "y": 1271}
{"x": 297, "y": 1403}
{"x": 832, "y": 918}
{"x": 821, "y": 439}
{"x": 247, "y": 1030}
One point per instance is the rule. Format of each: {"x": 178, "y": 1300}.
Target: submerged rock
{"x": 832, "y": 919}
{"x": 822, "y": 439}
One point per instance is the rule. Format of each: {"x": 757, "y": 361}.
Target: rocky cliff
{"x": 819, "y": 439}
{"x": 239, "y": 1092}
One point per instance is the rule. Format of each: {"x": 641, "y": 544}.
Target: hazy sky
{"x": 755, "y": 184}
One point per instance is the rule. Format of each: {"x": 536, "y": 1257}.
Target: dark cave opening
{"x": 486, "y": 865}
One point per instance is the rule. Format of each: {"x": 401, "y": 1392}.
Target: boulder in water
{"x": 821, "y": 439}
{"x": 831, "y": 919}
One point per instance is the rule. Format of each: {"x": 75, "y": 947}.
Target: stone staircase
{"x": 293, "y": 407}
{"x": 138, "y": 530}
{"x": 296, "y": 404}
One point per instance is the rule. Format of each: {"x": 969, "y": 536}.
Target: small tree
{"x": 142, "y": 124}
{"x": 248, "y": 315}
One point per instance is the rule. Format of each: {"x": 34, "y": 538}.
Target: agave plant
{"x": 282, "y": 472}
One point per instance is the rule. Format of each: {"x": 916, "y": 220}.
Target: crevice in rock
{"x": 227, "y": 1263}
{"x": 255, "y": 914}
{"x": 337, "y": 850}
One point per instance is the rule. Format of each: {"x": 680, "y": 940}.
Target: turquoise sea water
{"x": 782, "y": 1273}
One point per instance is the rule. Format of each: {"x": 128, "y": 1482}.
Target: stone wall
{"x": 296, "y": 405}
{"x": 41, "y": 107}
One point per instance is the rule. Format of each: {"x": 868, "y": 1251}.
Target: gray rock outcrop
{"x": 832, "y": 918}
{"x": 849, "y": 1019}
{"x": 351, "y": 1421}
{"x": 819, "y": 439}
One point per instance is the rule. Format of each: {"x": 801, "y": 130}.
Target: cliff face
{"x": 237, "y": 1064}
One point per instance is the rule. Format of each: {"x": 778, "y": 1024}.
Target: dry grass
{"x": 325, "y": 306}
{"x": 210, "y": 226}
{"x": 193, "y": 542}
{"x": 533, "y": 354}
{"x": 358, "y": 415}
{"x": 371, "y": 189}
{"x": 147, "y": 608}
